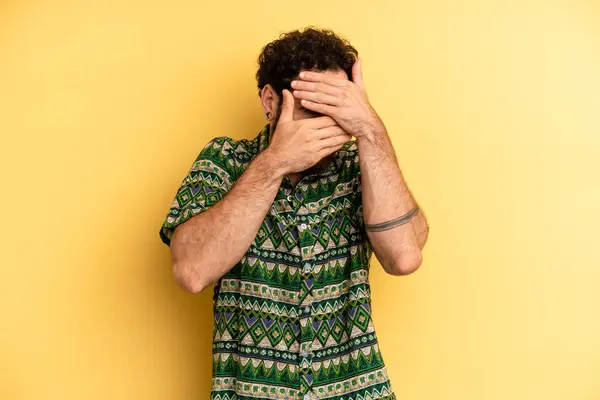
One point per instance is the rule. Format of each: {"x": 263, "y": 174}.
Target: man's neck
{"x": 295, "y": 178}
{"x": 319, "y": 167}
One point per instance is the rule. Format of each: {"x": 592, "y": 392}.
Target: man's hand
{"x": 341, "y": 99}
{"x": 298, "y": 145}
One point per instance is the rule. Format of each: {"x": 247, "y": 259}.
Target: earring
{"x": 268, "y": 115}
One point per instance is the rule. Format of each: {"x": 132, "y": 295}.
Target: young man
{"x": 284, "y": 226}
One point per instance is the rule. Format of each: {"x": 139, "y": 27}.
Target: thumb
{"x": 287, "y": 108}
{"x": 357, "y": 76}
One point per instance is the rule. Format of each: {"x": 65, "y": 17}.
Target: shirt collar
{"x": 334, "y": 166}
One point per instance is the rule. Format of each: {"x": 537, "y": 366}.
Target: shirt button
{"x": 307, "y": 396}
{"x": 306, "y": 268}
{"x": 289, "y": 198}
{"x": 307, "y": 309}
{"x": 303, "y": 227}
{"x": 305, "y": 353}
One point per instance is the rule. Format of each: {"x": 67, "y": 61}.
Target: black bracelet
{"x": 383, "y": 226}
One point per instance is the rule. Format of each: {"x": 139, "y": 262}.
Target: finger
{"x": 317, "y": 97}
{"x": 316, "y": 87}
{"x": 328, "y": 132}
{"x": 334, "y": 141}
{"x": 319, "y": 122}
{"x": 287, "y": 108}
{"x": 329, "y": 150}
{"x": 357, "y": 76}
{"x": 321, "y": 77}
{"x": 324, "y": 109}
{"x": 325, "y": 152}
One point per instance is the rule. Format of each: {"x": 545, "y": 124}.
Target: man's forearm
{"x": 386, "y": 197}
{"x": 208, "y": 245}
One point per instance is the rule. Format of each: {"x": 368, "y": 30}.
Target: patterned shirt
{"x": 292, "y": 319}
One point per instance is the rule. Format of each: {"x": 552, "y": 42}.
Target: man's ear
{"x": 269, "y": 99}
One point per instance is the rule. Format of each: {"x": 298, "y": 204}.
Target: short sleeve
{"x": 208, "y": 180}
{"x": 354, "y": 168}
{"x": 358, "y": 205}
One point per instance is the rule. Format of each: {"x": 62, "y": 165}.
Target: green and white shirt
{"x": 292, "y": 319}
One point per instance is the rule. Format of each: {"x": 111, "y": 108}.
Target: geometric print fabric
{"x": 292, "y": 319}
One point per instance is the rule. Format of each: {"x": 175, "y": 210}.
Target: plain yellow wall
{"x": 494, "y": 110}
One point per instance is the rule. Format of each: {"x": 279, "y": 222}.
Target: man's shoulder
{"x": 227, "y": 155}
{"x": 226, "y": 147}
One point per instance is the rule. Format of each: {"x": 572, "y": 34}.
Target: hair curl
{"x": 281, "y": 61}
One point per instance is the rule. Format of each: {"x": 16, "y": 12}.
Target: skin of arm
{"x": 385, "y": 196}
{"x": 208, "y": 245}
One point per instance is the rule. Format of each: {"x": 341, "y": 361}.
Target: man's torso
{"x": 292, "y": 319}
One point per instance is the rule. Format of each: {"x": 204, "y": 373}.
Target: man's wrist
{"x": 272, "y": 164}
{"x": 369, "y": 136}
{"x": 371, "y": 131}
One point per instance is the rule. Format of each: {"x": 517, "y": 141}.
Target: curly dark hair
{"x": 281, "y": 61}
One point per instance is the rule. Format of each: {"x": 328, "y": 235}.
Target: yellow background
{"x": 493, "y": 107}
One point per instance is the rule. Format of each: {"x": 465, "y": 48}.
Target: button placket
{"x": 306, "y": 327}
{"x": 307, "y": 333}
{"x": 306, "y": 352}
{"x": 305, "y": 298}
{"x": 307, "y": 268}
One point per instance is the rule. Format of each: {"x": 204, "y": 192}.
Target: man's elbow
{"x": 406, "y": 263}
{"x": 185, "y": 277}
{"x": 184, "y": 271}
